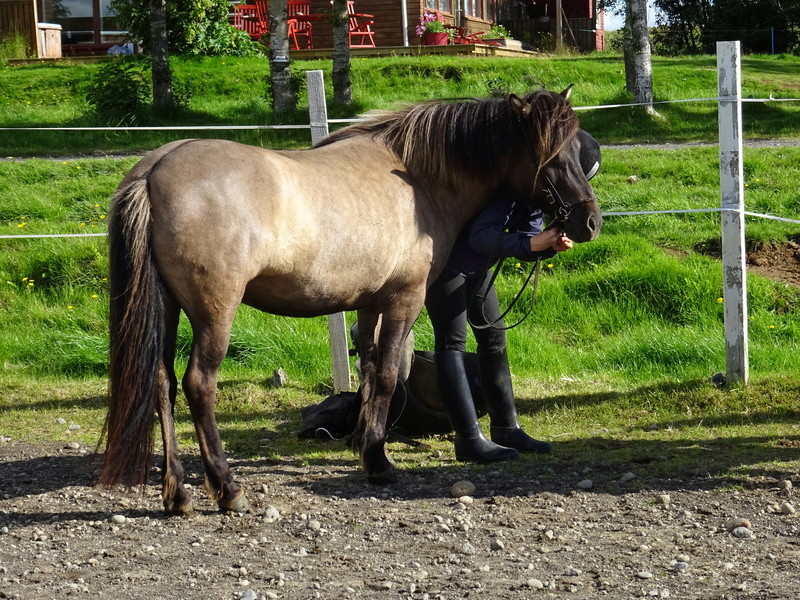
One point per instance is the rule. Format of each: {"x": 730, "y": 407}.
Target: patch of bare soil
{"x": 779, "y": 262}
{"x": 319, "y": 531}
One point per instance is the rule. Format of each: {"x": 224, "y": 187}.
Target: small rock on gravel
{"x": 743, "y": 533}
{"x": 732, "y": 524}
{"x": 535, "y": 584}
{"x": 271, "y": 515}
{"x": 627, "y": 477}
{"x": 248, "y": 594}
{"x": 644, "y": 575}
{"x": 462, "y": 488}
{"x": 681, "y": 566}
{"x": 586, "y": 484}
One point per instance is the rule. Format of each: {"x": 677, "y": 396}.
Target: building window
{"x": 474, "y": 8}
{"x": 445, "y": 6}
{"x": 81, "y": 20}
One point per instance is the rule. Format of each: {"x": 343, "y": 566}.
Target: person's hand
{"x": 545, "y": 240}
{"x": 562, "y": 243}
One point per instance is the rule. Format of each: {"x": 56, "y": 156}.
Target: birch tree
{"x": 636, "y": 50}
{"x": 159, "y": 47}
{"x": 342, "y": 91}
{"x": 284, "y": 97}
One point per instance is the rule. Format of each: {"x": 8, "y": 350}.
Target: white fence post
{"x": 337, "y": 326}
{"x": 731, "y": 172}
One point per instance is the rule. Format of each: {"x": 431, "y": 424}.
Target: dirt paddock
{"x": 319, "y": 531}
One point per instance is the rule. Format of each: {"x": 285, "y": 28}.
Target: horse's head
{"x": 563, "y": 158}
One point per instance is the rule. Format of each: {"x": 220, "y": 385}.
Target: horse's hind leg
{"x": 176, "y": 499}
{"x": 369, "y": 438}
{"x": 200, "y": 385}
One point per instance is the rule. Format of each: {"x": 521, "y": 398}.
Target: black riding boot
{"x": 470, "y": 443}
{"x": 496, "y": 383}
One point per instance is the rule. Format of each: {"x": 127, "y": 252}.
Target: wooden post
{"x": 559, "y": 27}
{"x": 731, "y": 171}
{"x": 337, "y": 327}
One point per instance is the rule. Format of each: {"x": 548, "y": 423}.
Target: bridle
{"x": 561, "y": 210}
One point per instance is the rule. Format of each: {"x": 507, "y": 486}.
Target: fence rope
{"x": 624, "y": 213}
{"x": 357, "y": 120}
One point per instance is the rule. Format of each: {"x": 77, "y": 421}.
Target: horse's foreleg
{"x": 370, "y": 437}
{"x": 176, "y": 499}
{"x": 200, "y": 386}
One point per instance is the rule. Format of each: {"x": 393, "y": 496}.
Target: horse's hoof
{"x": 185, "y": 510}
{"x": 385, "y": 478}
{"x": 238, "y": 504}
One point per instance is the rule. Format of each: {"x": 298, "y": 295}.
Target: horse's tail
{"x": 136, "y": 330}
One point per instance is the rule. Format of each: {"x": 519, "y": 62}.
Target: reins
{"x": 534, "y": 273}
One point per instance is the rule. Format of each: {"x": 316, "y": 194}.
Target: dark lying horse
{"x": 363, "y": 221}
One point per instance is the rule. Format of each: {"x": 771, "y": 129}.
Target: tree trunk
{"x": 342, "y": 91}
{"x": 159, "y": 46}
{"x": 284, "y": 97}
{"x": 636, "y": 45}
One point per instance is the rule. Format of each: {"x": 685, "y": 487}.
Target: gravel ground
{"x": 319, "y": 531}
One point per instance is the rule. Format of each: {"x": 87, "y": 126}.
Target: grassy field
{"x": 234, "y": 91}
{"x": 627, "y": 329}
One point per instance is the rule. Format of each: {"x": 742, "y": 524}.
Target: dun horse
{"x": 363, "y": 221}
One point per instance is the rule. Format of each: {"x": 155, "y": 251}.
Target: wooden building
{"x": 527, "y": 20}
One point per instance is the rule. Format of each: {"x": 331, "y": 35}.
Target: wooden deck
{"x": 419, "y": 50}
{"x": 327, "y": 53}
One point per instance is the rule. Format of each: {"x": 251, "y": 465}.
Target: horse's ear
{"x": 519, "y": 106}
{"x": 567, "y": 92}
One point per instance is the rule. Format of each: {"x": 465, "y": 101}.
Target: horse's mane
{"x": 451, "y": 141}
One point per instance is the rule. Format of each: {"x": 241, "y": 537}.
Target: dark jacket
{"x": 503, "y": 229}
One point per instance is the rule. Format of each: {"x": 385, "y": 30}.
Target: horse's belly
{"x": 302, "y": 296}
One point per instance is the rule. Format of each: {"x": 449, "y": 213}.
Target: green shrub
{"x": 14, "y": 46}
{"x": 120, "y": 92}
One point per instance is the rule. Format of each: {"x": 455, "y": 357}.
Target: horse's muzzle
{"x": 584, "y": 222}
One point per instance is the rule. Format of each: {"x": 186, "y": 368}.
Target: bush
{"x": 197, "y": 27}
{"x": 13, "y": 46}
{"x": 121, "y": 92}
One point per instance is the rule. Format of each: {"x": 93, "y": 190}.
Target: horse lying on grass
{"x": 363, "y": 221}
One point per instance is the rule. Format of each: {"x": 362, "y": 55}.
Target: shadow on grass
{"x": 667, "y": 458}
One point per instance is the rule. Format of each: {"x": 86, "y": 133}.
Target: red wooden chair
{"x": 300, "y": 28}
{"x": 360, "y": 28}
{"x": 262, "y": 12}
{"x": 245, "y": 17}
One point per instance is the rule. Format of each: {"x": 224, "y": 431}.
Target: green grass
{"x": 233, "y": 91}
{"x": 625, "y": 335}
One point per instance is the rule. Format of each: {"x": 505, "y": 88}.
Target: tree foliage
{"x": 194, "y": 26}
{"x": 694, "y": 26}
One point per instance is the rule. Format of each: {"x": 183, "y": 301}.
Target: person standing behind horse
{"x": 465, "y": 292}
